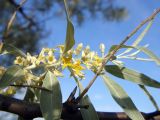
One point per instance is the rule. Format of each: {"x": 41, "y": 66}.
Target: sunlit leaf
{"x": 51, "y": 103}
{"x": 121, "y": 97}
{"x": 10, "y": 49}
{"x": 11, "y": 75}
{"x": 140, "y": 38}
{"x": 69, "y": 42}
{"x": 131, "y": 75}
{"x": 150, "y": 54}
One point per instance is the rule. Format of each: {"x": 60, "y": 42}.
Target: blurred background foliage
{"x": 29, "y": 26}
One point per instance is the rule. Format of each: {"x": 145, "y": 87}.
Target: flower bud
{"x": 80, "y": 46}
{"x": 102, "y": 47}
{"x": 87, "y": 49}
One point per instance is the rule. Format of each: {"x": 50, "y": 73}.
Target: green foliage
{"x": 131, "y": 75}
{"x": 150, "y": 54}
{"x": 10, "y": 49}
{"x": 12, "y": 74}
{"x": 51, "y": 103}
{"x": 140, "y": 38}
{"x": 69, "y": 32}
{"x": 121, "y": 97}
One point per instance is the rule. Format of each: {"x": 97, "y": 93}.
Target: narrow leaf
{"x": 51, "y": 103}
{"x": 151, "y": 98}
{"x": 11, "y": 75}
{"x": 10, "y": 23}
{"x": 121, "y": 97}
{"x": 149, "y": 53}
{"x": 140, "y": 38}
{"x": 69, "y": 42}
{"x": 131, "y": 75}
{"x": 10, "y": 49}
{"x": 12, "y": 19}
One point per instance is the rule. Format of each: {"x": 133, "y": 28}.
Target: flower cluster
{"x": 77, "y": 60}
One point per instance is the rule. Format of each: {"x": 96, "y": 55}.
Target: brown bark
{"x": 32, "y": 110}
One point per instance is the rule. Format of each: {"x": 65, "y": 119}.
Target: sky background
{"x": 96, "y": 31}
{"x": 93, "y": 32}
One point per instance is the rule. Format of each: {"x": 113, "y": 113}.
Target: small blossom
{"x": 80, "y": 46}
{"x": 102, "y": 47}
{"x": 57, "y": 73}
{"x": 87, "y": 49}
{"x": 78, "y": 49}
{"x": 19, "y": 60}
{"x": 66, "y": 62}
{"x": 77, "y": 68}
{"x": 51, "y": 59}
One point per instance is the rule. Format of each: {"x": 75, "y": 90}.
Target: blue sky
{"x": 94, "y": 32}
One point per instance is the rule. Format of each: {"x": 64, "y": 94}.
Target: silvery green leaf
{"x": 10, "y": 49}
{"x": 131, "y": 75}
{"x": 69, "y": 42}
{"x": 121, "y": 97}
{"x": 51, "y": 103}
{"x": 12, "y": 74}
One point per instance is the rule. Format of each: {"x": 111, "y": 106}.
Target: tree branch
{"x": 113, "y": 52}
{"x": 32, "y": 110}
{"x": 21, "y": 11}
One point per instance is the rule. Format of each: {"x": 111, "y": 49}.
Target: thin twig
{"x": 111, "y": 54}
{"x": 32, "y": 86}
{"x": 21, "y": 11}
{"x": 10, "y": 22}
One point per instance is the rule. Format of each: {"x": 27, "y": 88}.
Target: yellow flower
{"x": 78, "y": 49}
{"x": 87, "y": 49}
{"x": 51, "y": 59}
{"x": 66, "y": 61}
{"x": 31, "y": 59}
{"x": 57, "y": 73}
{"x": 77, "y": 68}
{"x": 97, "y": 61}
{"x": 19, "y": 60}
{"x": 41, "y": 59}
